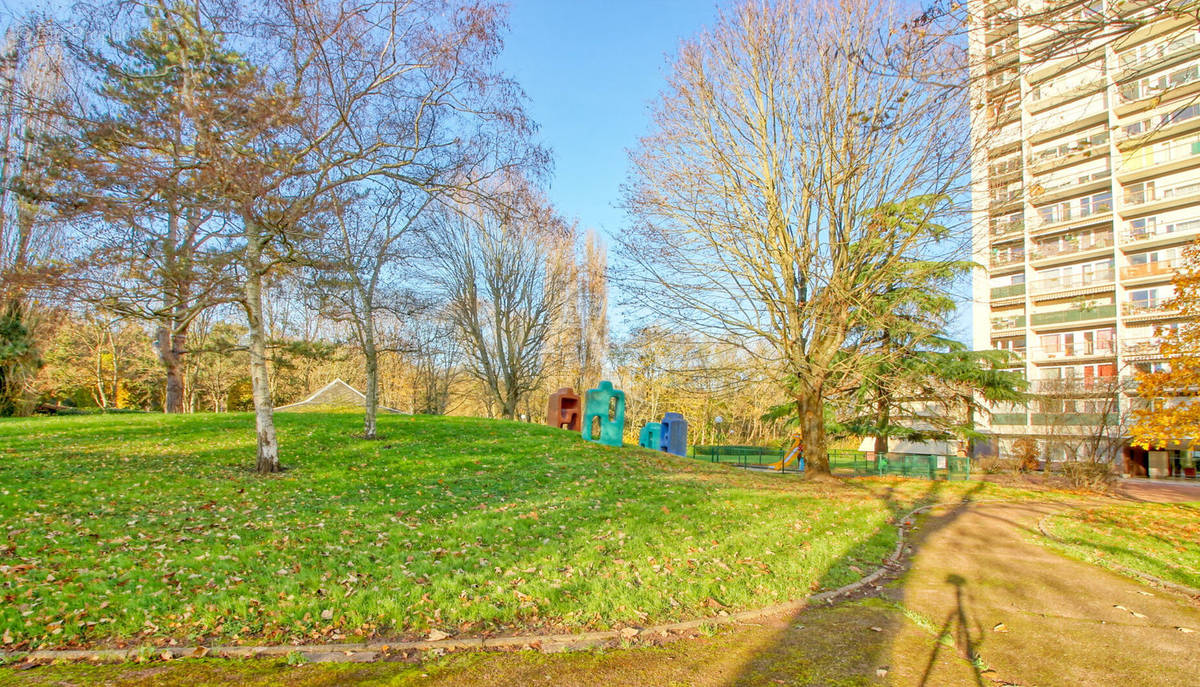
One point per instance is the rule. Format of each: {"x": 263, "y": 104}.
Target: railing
{"x": 1158, "y": 51}
{"x": 1076, "y": 385}
{"x": 1150, "y": 269}
{"x": 1006, "y": 228}
{"x": 1008, "y": 291}
{"x": 1134, "y": 90}
{"x": 1143, "y": 197}
{"x": 1068, "y": 214}
{"x": 1012, "y": 322}
{"x": 1085, "y": 87}
{"x": 1148, "y": 156}
{"x": 1074, "y": 183}
{"x": 1064, "y": 316}
{"x": 1155, "y": 230}
{"x": 1079, "y": 350}
{"x": 1144, "y": 127}
{"x": 922, "y": 466}
{"x": 1142, "y": 347}
{"x": 1009, "y": 418}
{"x": 1046, "y": 156}
{"x": 1006, "y": 260}
{"x": 1152, "y": 307}
{"x": 1075, "y": 281}
{"x": 1070, "y": 247}
{"x": 746, "y": 456}
{"x": 1072, "y": 419}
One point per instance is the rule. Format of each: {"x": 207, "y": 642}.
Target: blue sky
{"x": 591, "y": 69}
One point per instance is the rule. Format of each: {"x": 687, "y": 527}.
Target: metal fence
{"x": 843, "y": 462}
{"x": 745, "y": 456}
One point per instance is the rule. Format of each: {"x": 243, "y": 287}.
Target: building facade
{"x": 1085, "y": 190}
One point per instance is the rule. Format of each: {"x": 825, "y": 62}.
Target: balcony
{"x": 1083, "y": 386}
{"x": 1010, "y": 291}
{"x": 1142, "y": 348}
{"x": 1100, "y": 312}
{"x": 1151, "y": 87}
{"x": 1132, "y": 62}
{"x": 1008, "y": 260}
{"x": 1008, "y": 322}
{"x": 1070, "y": 282}
{"x": 1072, "y": 419}
{"x": 1152, "y": 308}
{"x": 1157, "y": 159}
{"x": 1071, "y": 246}
{"x": 1078, "y": 350}
{"x": 1160, "y": 232}
{"x": 1155, "y": 200}
{"x": 1146, "y": 270}
{"x": 1006, "y": 229}
{"x": 1018, "y": 419}
{"x": 1062, "y": 156}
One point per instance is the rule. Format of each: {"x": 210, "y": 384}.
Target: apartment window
{"x": 1136, "y": 194}
{"x": 1096, "y": 204}
{"x": 1144, "y": 298}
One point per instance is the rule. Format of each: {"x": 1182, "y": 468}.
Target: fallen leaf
{"x": 881, "y": 672}
{"x": 437, "y": 635}
{"x": 999, "y": 627}
{"x": 877, "y": 629}
{"x": 629, "y": 632}
{"x": 327, "y": 614}
{"x": 1188, "y": 630}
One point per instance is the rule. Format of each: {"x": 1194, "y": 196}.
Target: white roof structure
{"x": 336, "y": 394}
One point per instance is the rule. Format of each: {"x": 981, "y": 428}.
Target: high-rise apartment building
{"x": 1086, "y": 188}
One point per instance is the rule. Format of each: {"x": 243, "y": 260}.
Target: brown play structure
{"x": 564, "y": 410}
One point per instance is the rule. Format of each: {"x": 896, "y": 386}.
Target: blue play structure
{"x": 674, "y": 434}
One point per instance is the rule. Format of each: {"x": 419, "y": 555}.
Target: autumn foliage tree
{"x": 1171, "y": 397}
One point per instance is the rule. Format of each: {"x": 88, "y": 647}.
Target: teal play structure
{"x": 604, "y": 406}
{"x": 651, "y": 436}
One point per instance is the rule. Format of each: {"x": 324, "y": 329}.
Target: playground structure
{"x": 651, "y": 436}
{"x": 842, "y": 462}
{"x": 604, "y": 415}
{"x": 333, "y": 396}
{"x": 674, "y": 434}
{"x": 795, "y": 454}
{"x": 564, "y": 410}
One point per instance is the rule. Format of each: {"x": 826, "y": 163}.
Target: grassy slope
{"x": 147, "y": 527}
{"x": 1161, "y": 539}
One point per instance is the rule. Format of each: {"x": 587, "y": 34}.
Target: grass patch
{"x": 123, "y": 529}
{"x": 1159, "y": 539}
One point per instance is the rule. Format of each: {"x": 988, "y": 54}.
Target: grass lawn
{"x": 143, "y": 529}
{"x": 1161, "y": 539}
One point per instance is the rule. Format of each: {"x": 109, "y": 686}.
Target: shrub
{"x": 1026, "y": 452}
{"x": 1095, "y": 476}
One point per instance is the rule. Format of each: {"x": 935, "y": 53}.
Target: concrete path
{"x": 1034, "y": 617}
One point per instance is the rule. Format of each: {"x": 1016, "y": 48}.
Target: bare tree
{"x": 787, "y": 186}
{"x": 31, "y": 83}
{"x": 503, "y": 291}
{"x": 1087, "y": 423}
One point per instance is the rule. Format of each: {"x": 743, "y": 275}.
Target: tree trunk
{"x": 372, "y": 360}
{"x": 260, "y": 385}
{"x": 883, "y": 417}
{"x": 170, "y": 354}
{"x": 811, "y": 409}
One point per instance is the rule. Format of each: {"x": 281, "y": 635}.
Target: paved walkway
{"x": 1037, "y": 618}
{"x": 1008, "y": 611}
